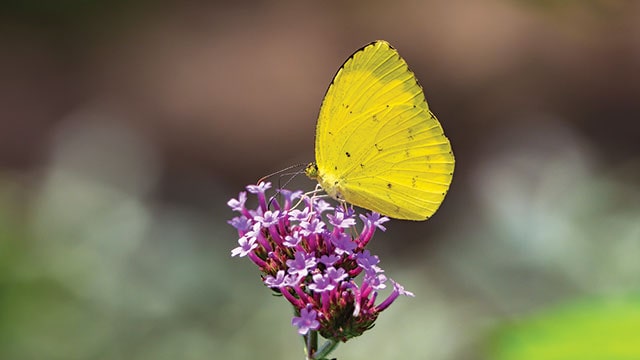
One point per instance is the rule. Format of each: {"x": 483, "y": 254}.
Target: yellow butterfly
{"x": 378, "y": 146}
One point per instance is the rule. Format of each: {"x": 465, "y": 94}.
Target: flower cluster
{"x": 311, "y": 253}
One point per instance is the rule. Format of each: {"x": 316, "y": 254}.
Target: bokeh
{"x": 125, "y": 126}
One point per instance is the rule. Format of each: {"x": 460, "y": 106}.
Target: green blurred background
{"x": 126, "y": 125}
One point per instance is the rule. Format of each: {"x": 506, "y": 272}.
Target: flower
{"x": 343, "y": 244}
{"x": 301, "y": 264}
{"x": 269, "y": 218}
{"x": 321, "y": 283}
{"x": 306, "y": 321}
{"x": 339, "y": 220}
{"x": 238, "y": 204}
{"x": 368, "y": 262}
{"x": 277, "y": 281}
{"x": 246, "y": 245}
{"x": 312, "y": 254}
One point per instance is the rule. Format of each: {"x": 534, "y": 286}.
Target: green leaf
{"x": 585, "y": 330}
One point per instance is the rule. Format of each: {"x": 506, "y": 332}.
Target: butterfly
{"x": 377, "y": 145}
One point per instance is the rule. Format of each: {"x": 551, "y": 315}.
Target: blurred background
{"x": 125, "y": 126}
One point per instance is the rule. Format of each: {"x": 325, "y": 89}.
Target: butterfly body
{"x": 378, "y": 146}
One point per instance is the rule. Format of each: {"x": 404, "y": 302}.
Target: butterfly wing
{"x": 377, "y": 144}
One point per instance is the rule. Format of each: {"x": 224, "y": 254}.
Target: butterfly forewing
{"x": 378, "y": 140}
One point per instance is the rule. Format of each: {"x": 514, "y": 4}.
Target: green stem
{"x": 326, "y": 349}
{"x": 311, "y": 344}
{"x": 311, "y": 347}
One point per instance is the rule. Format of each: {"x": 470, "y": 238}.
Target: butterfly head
{"x": 328, "y": 182}
{"x": 311, "y": 171}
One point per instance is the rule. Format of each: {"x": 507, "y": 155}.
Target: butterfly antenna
{"x": 281, "y": 171}
{"x": 293, "y": 175}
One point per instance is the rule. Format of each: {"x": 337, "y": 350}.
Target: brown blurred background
{"x": 126, "y": 125}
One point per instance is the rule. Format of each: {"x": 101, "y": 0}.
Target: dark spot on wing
{"x": 362, "y": 166}
{"x": 335, "y": 168}
{"x": 413, "y": 181}
{"x": 389, "y": 185}
{"x": 377, "y": 147}
{"x": 347, "y": 153}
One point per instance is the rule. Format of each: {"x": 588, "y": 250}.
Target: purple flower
{"x": 241, "y": 223}
{"x": 375, "y": 219}
{"x": 368, "y": 262}
{"x": 343, "y": 243}
{"x": 292, "y": 240}
{"x": 313, "y": 261}
{"x": 376, "y": 281}
{"x": 322, "y": 206}
{"x": 246, "y": 245}
{"x": 260, "y": 188}
{"x": 339, "y": 220}
{"x": 321, "y": 283}
{"x": 301, "y": 264}
{"x": 254, "y": 232}
{"x": 299, "y": 215}
{"x": 314, "y": 226}
{"x": 401, "y": 291}
{"x": 336, "y": 275}
{"x": 397, "y": 291}
{"x": 292, "y": 279}
{"x": 329, "y": 260}
{"x": 269, "y": 218}
{"x": 277, "y": 281}
{"x": 289, "y": 196}
{"x": 306, "y": 321}
{"x": 238, "y": 205}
